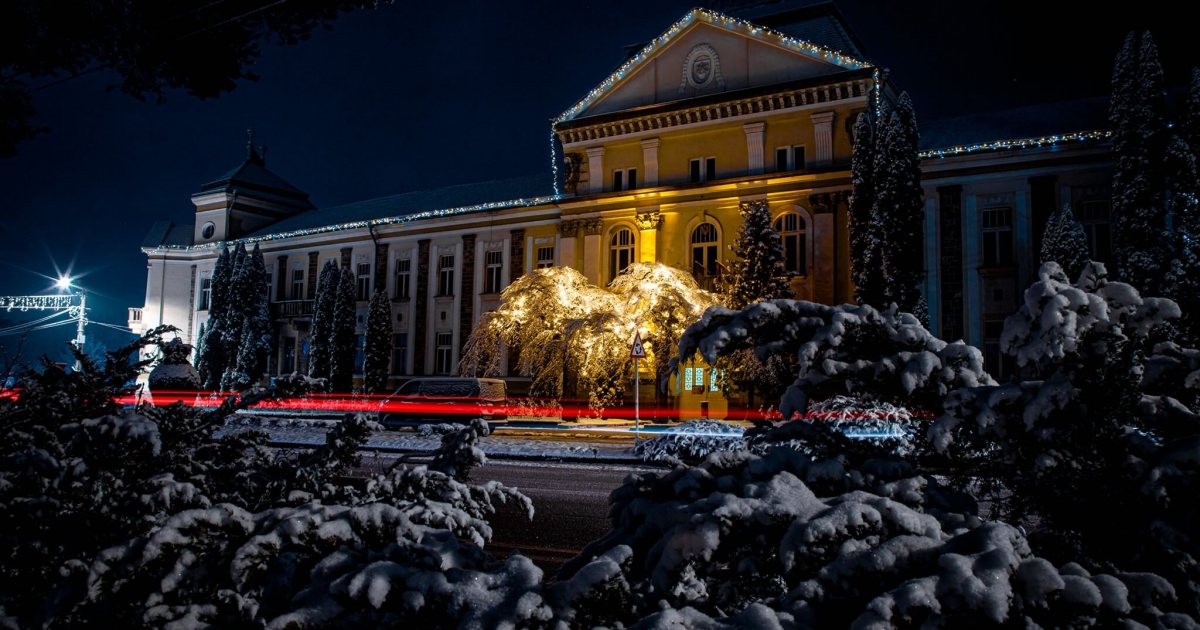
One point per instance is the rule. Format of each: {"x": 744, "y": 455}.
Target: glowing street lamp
{"x": 63, "y": 283}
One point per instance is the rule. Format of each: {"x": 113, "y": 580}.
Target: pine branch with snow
{"x": 1064, "y": 242}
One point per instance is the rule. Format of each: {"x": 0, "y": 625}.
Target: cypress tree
{"x": 257, "y": 333}
{"x": 1191, "y": 122}
{"x": 1065, "y": 243}
{"x": 759, "y": 275}
{"x": 900, "y": 209}
{"x": 201, "y": 361}
{"x": 341, "y": 372}
{"x": 865, "y": 240}
{"x": 1141, "y": 246}
{"x": 237, "y": 294}
{"x": 321, "y": 336}
{"x": 214, "y": 358}
{"x": 378, "y": 343}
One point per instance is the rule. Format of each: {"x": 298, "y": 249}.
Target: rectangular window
{"x": 702, "y": 170}
{"x": 492, "y": 274}
{"x": 289, "y": 355}
{"x": 699, "y": 382}
{"x": 687, "y": 378}
{"x": 297, "y": 285}
{"x": 789, "y": 159}
{"x": 710, "y": 169}
{"x": 364, "y": 282}
{"x": 713, "y": 379}
{"x": 624, "y": 179}
{"x": 446, "y": 275}
{"x": 545, "y": 257}
{"x": 1094, "y": 215}
{"x": 443, "y": 363}
{"x": 997, "y": 237}
{"x": 403, "y": 278}
{"x": 998, "y": 364}
{"x": 360, "y": 353}
{"x": 399, "y": 353}
{"x": 205, "y": 293}
{"x": 694, "y": 172}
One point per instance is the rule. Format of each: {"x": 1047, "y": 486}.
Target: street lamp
{"x": 63, "y": 283}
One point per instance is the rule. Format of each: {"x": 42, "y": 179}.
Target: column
{"x": 516, "y": 258}
{"x": 823, "y": 133}
{"x": 1022, "y": 233}
{"x": 648, "y": 222}
{"x": 973, "y": 301}
{"x": 421, "y": 317}
{"x": 567, "y": 230}
{"x": 754, "y": 146}
{"x": 381, "y": 268}
{"x": 282, "y": 280}
{"x": 595, "y": 169}
{"x": 591, "y": 249}
{"x": 950, "y": 263}
{"x": 932, "y": 271}
{"x": 466, "y": 297}
{"x": 313, "y": 271}
{"x": 650, "y": 161}
{"x": 823, "y": 207}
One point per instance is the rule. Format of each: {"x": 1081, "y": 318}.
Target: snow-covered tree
{"x": 783, "y": 541}
{"x": 143, "y": 518}
{"x": 345, "y": 320}
{"x": 321, "y": 335}
{"x": 213, "y": 357}
{"x": 1065, "y": 242}
{"x": 258, "y": 335}
{"x": 900, "y": 209}
{"x": 1098, "y": 453}
{"x": 378, "y": 343}
{"x": 758, "y": 273}
{"x": 1141, "y": 246}
{"x": 866, "y": 238}
{"x": 201, "y": 356}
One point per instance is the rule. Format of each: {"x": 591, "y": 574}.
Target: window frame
{"x": 493, "y": 271}
{"x": 800, "y": 233}
{"x": 297, "y": 284}
{"x": 399, "y": 353}
{"x": 996, "y": 236}
{"x": 624, "y": 179}
{"x": 710, "y": 250}
{"x": 362, "y": 279}
{"x": 616, "y": 249}
{"x": 443, "y": 352}
{"x": 543, "y": 263}
{"x": 1092, "y": 224}
{"x": 403, "y": 288}
{"x": 790, "y": 155}
{"x": 446, "y": 275}
{"x": 205, "y": 293}
{"x": 705, "y": 167}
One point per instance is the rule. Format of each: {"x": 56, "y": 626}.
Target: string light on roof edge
{"x": 1024, "y": 143}
{"x": 712, "y": 17}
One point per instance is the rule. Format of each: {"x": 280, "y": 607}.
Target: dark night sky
{"x": 444, "y": 93}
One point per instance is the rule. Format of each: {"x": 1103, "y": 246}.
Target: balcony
{"x": 135, "y": 321}
{"x": 291, "y": 309}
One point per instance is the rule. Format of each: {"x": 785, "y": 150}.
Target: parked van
{"x": 445, "y": 400}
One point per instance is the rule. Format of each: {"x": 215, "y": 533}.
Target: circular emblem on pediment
{"x": 702, "y": 68}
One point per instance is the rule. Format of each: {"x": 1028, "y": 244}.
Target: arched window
{"x": 620, "y": 253}
{"x": 793, "y": 232}
{"x": 704, "y": 251}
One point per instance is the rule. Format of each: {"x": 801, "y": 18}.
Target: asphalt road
{"x": 571, "y": 504}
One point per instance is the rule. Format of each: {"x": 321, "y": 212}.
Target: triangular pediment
{"x": 706, "y": 53}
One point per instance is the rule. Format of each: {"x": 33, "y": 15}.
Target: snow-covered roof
{"x": 452, "y": 199}
{"x": 1031, "y": 121}
{"x": 168, "y": 234}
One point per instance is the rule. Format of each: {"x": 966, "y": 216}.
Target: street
{"x": 571, "y": 503}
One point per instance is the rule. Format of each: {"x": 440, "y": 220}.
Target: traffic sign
{"x": 637, "y": 351}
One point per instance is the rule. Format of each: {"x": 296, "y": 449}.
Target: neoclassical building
{"x": 651, "y": 165}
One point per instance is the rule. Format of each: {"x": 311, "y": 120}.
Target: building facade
{"x": 651, "y": 166}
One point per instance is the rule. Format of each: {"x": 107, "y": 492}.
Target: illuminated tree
{"x": 563, "y": 328}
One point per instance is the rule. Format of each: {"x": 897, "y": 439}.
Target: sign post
{"x": 637, "y": 351}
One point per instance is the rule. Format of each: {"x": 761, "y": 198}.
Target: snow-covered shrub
{"x": 1101, "y": 454}
{"x": 692, "y": 441}
{"x": 782, "y": 541}
{"x": 174, "y": 371}
{"x": 430, "y": 429}
{"x": 144, "y": 519}
{"x": 885, "y": 356}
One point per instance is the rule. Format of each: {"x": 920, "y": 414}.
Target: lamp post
{"x": 75, "y": 310}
